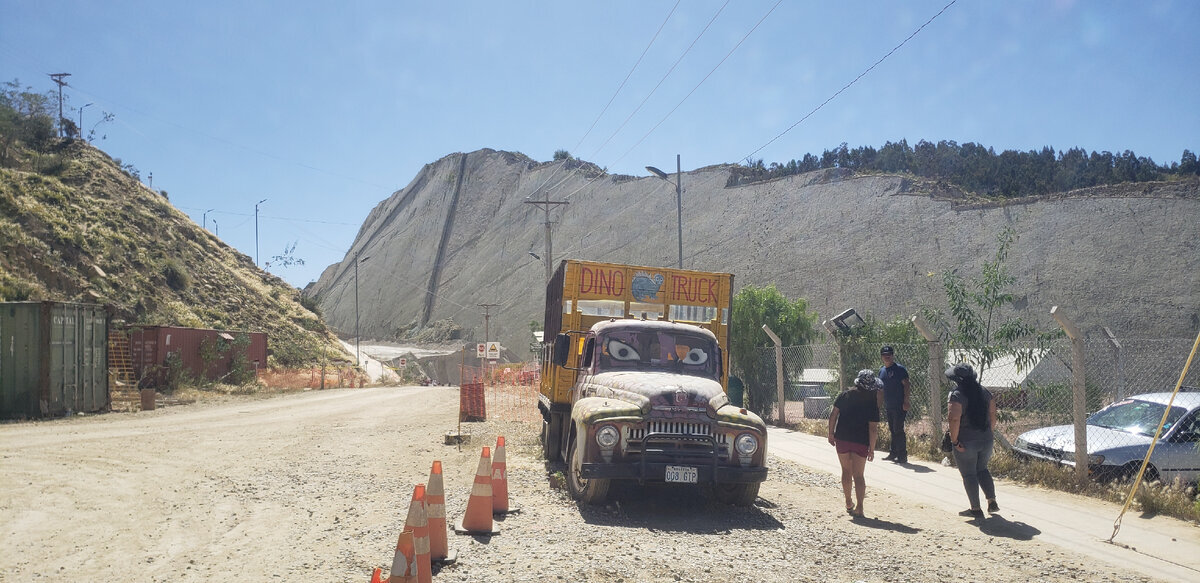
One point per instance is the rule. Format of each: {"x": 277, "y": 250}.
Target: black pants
{"x": 895, "y": 418}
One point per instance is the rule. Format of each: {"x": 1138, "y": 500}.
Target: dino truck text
{"x": 634, "y": 372}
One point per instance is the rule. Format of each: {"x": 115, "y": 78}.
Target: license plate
{"x": 686, "y": 474}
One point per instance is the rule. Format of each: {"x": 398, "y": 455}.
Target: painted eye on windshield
{"x": 621, "y": 351}
{"x": 695, "y": 356}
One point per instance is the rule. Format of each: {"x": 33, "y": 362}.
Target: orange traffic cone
{"x": 435, "y": 513}
{"x": 404, "y": 565}
{"x": 377, "y": 575}
{"x": 417, "y": 524}
{"x": 499, "y": 480}
{"x": 478, "y": 517}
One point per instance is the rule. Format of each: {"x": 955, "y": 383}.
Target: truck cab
{"x": 647, "y": 403}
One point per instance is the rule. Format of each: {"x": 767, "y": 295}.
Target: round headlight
{"x": 746, "y": 444}
{"x": 607, "y": 436}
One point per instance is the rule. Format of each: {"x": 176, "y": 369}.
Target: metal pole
{"x": 934, "y": 346}
{"x": 679, "y": 204}
{"x": 780, "y": 418}
{"x": 1078, "y": 391}
{"x": 549, "y": 245}
{"x": 357, "y": 338}
{"x": 256, "y": 229}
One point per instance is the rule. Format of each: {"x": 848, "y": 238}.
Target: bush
{"x": 177, "y": 277}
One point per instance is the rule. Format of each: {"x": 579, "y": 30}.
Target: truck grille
{"x": 683, "y": 438}
{"x": 675, "y": 427}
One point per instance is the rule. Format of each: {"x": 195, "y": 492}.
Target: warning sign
{"x": 403, "y": 362}
{"x": 493, "y": 351}
{"x": 480, "y": 350}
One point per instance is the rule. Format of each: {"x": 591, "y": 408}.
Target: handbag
{"x": 947, "y": 446}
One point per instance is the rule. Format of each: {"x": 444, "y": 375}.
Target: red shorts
{"x": 850, "y": 447}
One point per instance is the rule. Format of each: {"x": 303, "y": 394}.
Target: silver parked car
{"x": 1119, "y": 435}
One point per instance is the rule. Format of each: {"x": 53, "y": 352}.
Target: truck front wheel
{"x": 593, "y": 491}
{"x": 736, "y": 494}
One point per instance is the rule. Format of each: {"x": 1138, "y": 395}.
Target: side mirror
{"x": 588, "y": 348}
{"x": 562, "y": 349}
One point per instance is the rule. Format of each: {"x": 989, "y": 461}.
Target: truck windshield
{"x": 658, "y": 350}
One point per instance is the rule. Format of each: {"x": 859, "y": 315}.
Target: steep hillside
{"x": 460, "y": 234}
{"x": 89, "y": 232}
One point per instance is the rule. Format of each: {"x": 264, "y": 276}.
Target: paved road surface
{"x": 1160, "y": 547}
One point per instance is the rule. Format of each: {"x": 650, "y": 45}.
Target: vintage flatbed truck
{"x": 634, "y": 377}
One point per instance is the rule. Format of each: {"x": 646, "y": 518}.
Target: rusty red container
{"x": 202, "y": 353}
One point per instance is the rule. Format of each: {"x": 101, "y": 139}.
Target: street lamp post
{"x": 204, "y": 219}
{"x": 357, "y": 337}
{"x": 678, "y": 198}
{"x": 256, "y": 229}
{"x": 217, "y": 227}
{"x": 81, "y": 118}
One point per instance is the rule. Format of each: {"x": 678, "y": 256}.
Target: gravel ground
{"x": 316, "y": 486}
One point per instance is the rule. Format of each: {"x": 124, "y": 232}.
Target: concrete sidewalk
{"x": 1160, "y": 547}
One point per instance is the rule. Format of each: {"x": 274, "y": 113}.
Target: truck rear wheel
{"x": 736, "y": 494}
{"x": 593, "y": 491}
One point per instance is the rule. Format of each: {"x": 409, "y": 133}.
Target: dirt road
{"x": 315, "y": 487}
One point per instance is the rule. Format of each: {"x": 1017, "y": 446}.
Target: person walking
{"x": 971, "y": 418}
{"x": 853, "y": 428}
{"x": 896, "y": 390}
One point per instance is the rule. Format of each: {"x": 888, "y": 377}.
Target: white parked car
{"x": 1119, "y": 435}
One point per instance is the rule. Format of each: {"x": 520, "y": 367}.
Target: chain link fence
{"x": 1031, "y": 398}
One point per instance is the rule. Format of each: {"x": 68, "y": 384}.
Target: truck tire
{"x": 593, "y": 491}
{"x": 736, "y": 494}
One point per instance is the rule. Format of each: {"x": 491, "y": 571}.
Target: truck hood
{"x": 650, "y": 391}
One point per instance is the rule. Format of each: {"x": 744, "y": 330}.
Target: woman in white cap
{"x": 853, "y": 427}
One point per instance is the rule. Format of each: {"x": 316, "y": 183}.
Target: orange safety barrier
{"x": 377, "y": 575}
{"x": 471, "y": 403}
{"x": 478, "y": 517}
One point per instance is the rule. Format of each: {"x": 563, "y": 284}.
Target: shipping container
{"x": 53, "y": 359}
{"x": 201, "y": 353}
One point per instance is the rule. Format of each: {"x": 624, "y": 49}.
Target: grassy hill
{"x": 76, "y": 227}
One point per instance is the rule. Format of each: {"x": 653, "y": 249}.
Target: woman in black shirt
{"x": 853, "y": 427}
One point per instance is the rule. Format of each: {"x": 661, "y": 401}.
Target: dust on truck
{"x": 634, "y": 381}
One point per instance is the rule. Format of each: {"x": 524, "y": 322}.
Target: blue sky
{"x": 326, "y": 108}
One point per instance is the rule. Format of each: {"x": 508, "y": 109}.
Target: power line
{"x": 614, "y": 95}
{"x": 630, "y": 73}
{"x": 664, "y": 78}
{"x": 714, "y": 70}
{"x": 855, "y": 80}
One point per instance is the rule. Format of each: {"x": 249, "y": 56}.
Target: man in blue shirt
{"x": 896, "y": 400}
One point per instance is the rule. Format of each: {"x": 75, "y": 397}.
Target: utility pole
{"x": 256, "y": 230}
{"x": 486, "y": 316}
{"x": 546, "y": 205}
{"x": 58, "y": 78}
{"x": 678, "y": 198}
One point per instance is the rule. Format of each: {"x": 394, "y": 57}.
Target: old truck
{"x": 634, "y": 377}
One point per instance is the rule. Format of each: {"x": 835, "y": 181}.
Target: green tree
{"x": 790, "y": 320}
{"x": 561, "y": 155}
{"x": 981, "y": 320}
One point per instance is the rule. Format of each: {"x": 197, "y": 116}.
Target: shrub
{"x": 177, "y": 277}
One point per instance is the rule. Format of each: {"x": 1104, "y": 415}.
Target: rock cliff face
{"x": 461, "y": 234}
